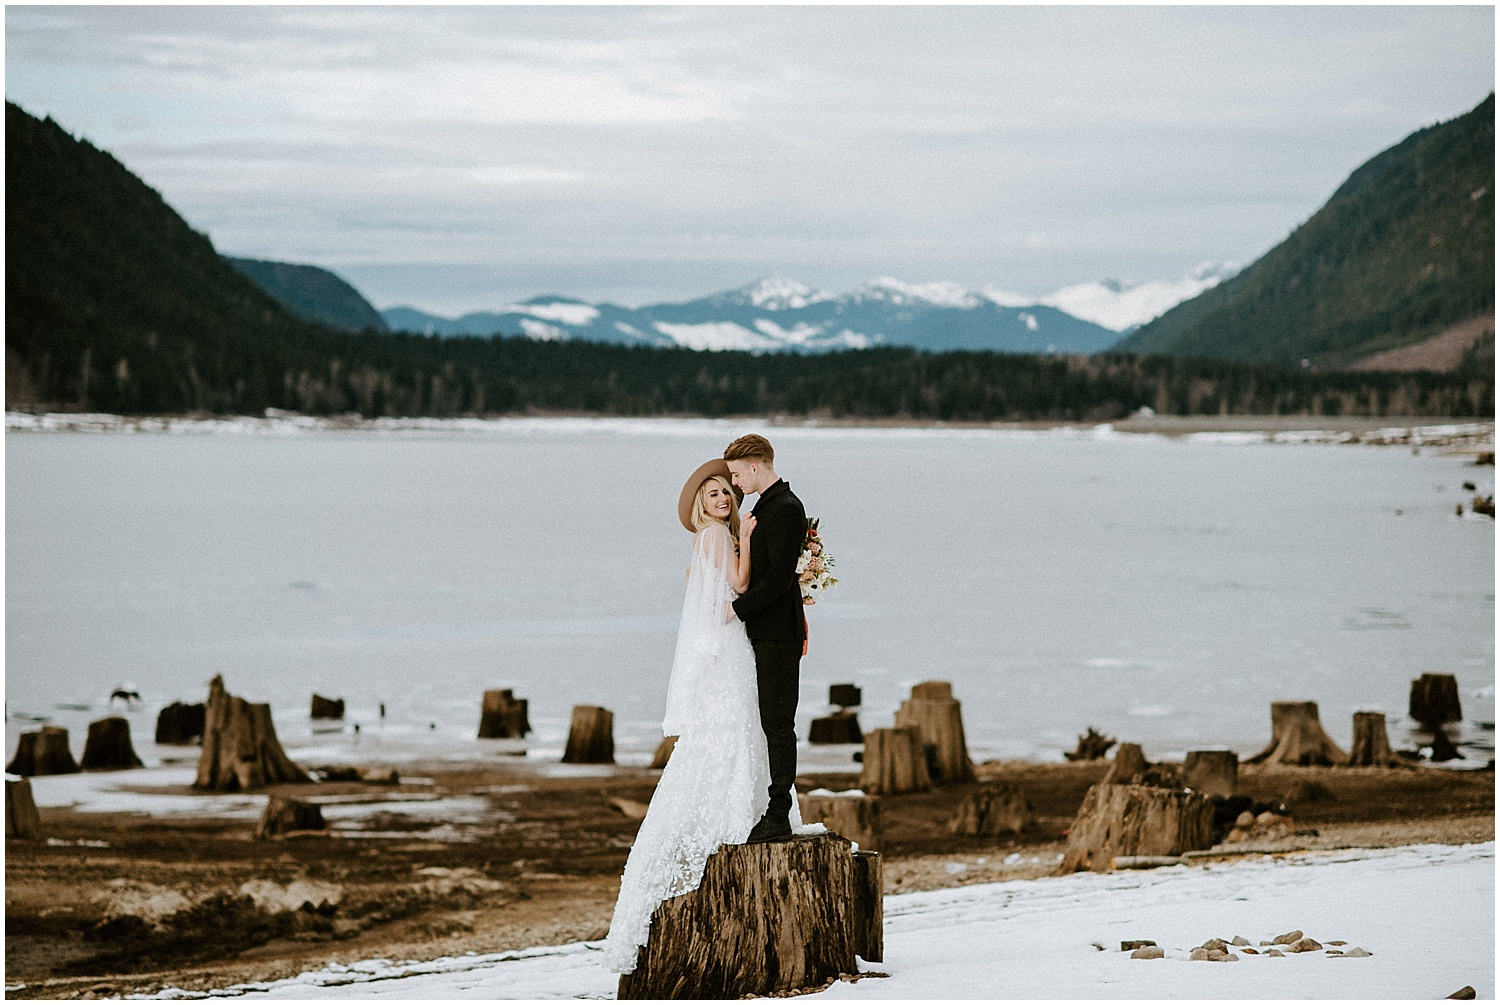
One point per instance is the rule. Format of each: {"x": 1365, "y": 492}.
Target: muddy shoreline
{"x": 116, "y": 902}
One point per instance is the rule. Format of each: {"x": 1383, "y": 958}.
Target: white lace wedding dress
{"x": 714, "y": 787}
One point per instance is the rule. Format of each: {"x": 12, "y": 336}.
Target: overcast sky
{"x": 461, "y": 158}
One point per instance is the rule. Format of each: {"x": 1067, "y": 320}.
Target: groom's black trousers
{"x": 777, "y": 663}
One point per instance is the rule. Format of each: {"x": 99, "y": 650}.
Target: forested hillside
{"x": 311, "y": 293}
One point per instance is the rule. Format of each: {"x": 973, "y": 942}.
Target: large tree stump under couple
{"x": 938, "y": 719}
{"x": 766, "y": 918}
{"x": 1119, "y": 820}
{"x": 591, "y": 737}
{"x": 854, "y": 817}
{"x": 1434, "y": 700}
{"x": 240, "y": 748}
{"x": 43, "y": 752}
{"x": 108, "y": 746}
{"x": 503, "y": 716}
{"x": 1297, "y": 737}
{"x": 22, "y": 821}
{"x": 180, "y": 723}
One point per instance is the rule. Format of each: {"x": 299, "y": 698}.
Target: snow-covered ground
{"x": 1426, "y": 913}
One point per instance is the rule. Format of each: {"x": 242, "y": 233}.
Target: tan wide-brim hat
{"x": 706, "y": 470}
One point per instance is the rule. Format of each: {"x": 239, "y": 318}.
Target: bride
{"x": 714, "y": 787}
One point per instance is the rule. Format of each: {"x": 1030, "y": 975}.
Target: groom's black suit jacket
{"x": 771, "y": 607}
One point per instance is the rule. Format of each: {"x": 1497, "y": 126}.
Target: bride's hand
{"x": 747, "y": 527}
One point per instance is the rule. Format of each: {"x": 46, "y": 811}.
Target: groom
{"x": 771, "y": 609}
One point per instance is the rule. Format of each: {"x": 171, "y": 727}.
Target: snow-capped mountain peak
{"x": 1119, "y": 306}
{"x": 939, "y": 294}
{"x": 778, "y": 293}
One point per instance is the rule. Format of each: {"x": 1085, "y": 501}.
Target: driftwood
{"x": 1372, "y": 745}
{"x": 844, "y": 695}
{"x": 1092, "y": 746}
{"x": 663, "y": 752}
{"x": 284, "y": 815}
{"x": 854, "y": 817}
{"x": 43, "y": 752}
{"x": 893, "y": 762}
{"x": 1119, "y": 820}
{"x": 991, "y": 811}
{"x": 1129, "y": 765}
{"x": 1434, "y": 700}
{"x": 22, "y": 821}
{"x": 180, "y": 723}
{"x": 1297, "y": 737}
{"x": 503, "y": 716}
{"x": 108, "y": 746}
{"x": 327, "y": 708}
{"x": 938, "y": 719}
{"x": 1211, "y": 772}
{"x": 840, "y": 727}
{"x": 591, "y": 738}
{"x": 766, "y": 918}
{"x": 240, "y": 748}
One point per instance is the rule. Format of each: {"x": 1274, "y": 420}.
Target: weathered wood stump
{"x": 766, "y": 918}
{"x": 938, "y": 719}
{"x": 327, "y": 708}
{"x": 22, "y": 821}
{"x": 843, "y": 695}
{"x": 1118, "y": 820}
{"x": 1128, "y": 766}
{"x": 591, "y": 737}
{"x": 503, "y": 716}
{"x": 43, "y": 752}
{"x": 1372, "y": 744}
{"x": 869, "y": 905}
{"x": 840, "y": 727}
{"x": 1092, "y": 746}
{"x": 1434, "y": 700}
{"x": 240, "y": 748}
{"x": 1443, "y": 747}
{"x": 1297, "y": 737}
{"x": 854, "y": 817}
{"x": 893, "y": 762}
{"x": 180, "y": 723}
{"x": 1211, "y": 772}
{"x": 108, "y": 746}
{"x": 991, "y": 811}
{"x": 284, "y": 815}
{"x": 663, "y": 752}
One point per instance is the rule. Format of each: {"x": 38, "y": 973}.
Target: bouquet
{"x": 813, "y": 564}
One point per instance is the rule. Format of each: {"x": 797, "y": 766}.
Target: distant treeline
{"x": 325, "y": 372}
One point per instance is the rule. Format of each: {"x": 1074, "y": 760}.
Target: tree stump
{"x": 939, "y": 722}
{"x": 843, "y": 695}
{"x": 1443, "y": 748}
{"x": 284, "y": 815}
{"x": 179, "y": 723}
{"x": 854, "y": 817}
{"x": 108, "y": 746}
{"x": 327, "y": 708}
{"x": 591, "y": 738}
{"x": 840, "y": 727}
{"x": 503, "y": 716}
{"x": 1211, "y": 772}
{"x": 663, "y": 752}
{"x": 240, "y": 748}
{"x": 1117, "y": 820}
{"x": 1129, "y": 765}
{"x": 1372, "y": 745}
{"x": 766, "y": 918}
{"x": 869, "y": 905}
{"x": 43, "y": 752}
{"x": 893, "y": 762}
{"x": 1297, "y": 737}
{"x": 1092, "y": 746}
{"x": 1434, "y": 700}
{"x": 992, "y": 811}
{"x": 22, "y": 821}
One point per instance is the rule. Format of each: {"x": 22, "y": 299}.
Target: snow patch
{"x": 940, "y": 294}
{"x": 1118, "y": 306}
{"x": 716, "y": 335}
{"x": 779, "y": 293}
{"x": 798, "y": 334}
{"x": 565, "y": 312}
{"x": 541, "y": 331}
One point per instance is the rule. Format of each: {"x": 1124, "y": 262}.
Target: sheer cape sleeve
{"x": 706, "y": 617}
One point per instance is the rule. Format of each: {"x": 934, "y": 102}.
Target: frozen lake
{"x": 1163, "y": 590}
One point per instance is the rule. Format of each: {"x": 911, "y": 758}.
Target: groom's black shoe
{"x": 769, "y": 830}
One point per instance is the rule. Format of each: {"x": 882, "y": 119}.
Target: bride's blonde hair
{"x": 702, "y": 517}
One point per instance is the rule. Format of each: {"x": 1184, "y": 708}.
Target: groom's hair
{"x": 751, "y": 447}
